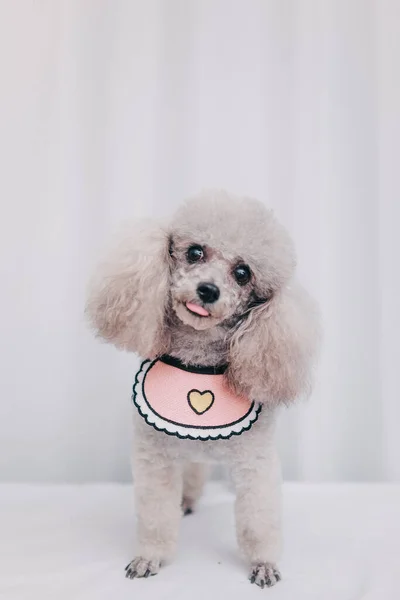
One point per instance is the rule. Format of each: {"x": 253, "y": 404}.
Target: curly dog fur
{"x": 267, "y": 332}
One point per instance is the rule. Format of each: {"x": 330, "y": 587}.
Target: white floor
{"x": 73, "y": 542}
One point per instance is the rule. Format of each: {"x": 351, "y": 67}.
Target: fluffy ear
{"x": 273, "y": 350}
{"x": 128, "y": 295}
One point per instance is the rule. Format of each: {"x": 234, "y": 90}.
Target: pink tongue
{"x": 197, "y": 309}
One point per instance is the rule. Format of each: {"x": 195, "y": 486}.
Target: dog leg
{"x": 257, "y": 511}
{"x": 194, "y": 477}
{"x": 158, "y": 493}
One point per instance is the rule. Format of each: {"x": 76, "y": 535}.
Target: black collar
{"x": 201, "y": 369}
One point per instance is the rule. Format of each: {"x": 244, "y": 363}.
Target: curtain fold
{"x": 118, "y": 109}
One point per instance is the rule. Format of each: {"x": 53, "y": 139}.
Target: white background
{"x": 120, "y": 108}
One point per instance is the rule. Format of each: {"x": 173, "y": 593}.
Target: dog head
{"x": 222, "y": 261}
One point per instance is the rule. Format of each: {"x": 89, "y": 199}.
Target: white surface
{"x": 115, "y": 108}
{"x": 341, "y": 542}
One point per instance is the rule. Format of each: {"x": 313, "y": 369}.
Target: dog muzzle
{"x": 191, "y": 402}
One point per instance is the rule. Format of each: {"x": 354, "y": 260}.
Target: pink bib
{"x": 191, "y": 402}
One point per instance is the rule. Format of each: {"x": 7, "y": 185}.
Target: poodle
{"x": 210, "y": 303}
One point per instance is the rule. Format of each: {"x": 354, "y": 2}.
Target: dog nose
{"x": 208, "y": 292}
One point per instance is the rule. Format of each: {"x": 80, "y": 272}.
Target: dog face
{"x": 225, "y": 261}
{"x": 209, "y": 286}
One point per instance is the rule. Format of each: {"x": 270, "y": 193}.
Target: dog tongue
{"x": 197, "y": 309}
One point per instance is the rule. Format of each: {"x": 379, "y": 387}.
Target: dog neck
{"x": 207, "y": 347}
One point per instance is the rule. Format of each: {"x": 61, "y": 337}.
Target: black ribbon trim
{"x": 201, "y": 369}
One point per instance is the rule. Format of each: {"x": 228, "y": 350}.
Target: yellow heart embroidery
{"x": 200, "y": 401}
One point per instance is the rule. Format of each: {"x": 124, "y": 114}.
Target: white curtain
{"x": 117, "y": 108}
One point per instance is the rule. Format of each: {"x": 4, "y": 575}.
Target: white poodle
{"x": 209, "y": 302}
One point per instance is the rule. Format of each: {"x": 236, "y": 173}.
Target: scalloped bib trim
{"x": 190, "y": 403}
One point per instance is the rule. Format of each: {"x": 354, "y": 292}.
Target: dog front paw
{"x": 142, "y": 567}
{"x": 187, "y": 506}
{"x": 264, "y": 574}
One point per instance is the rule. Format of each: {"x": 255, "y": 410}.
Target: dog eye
{"x": 242, "y": 274}
{"x": 195, "y": 253}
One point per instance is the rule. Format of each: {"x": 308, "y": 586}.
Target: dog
{"x": 209, "y": 301}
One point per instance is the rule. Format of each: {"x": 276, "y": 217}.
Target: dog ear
{"x": 128, "y": 295}
{"x": 272, "y": 351}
